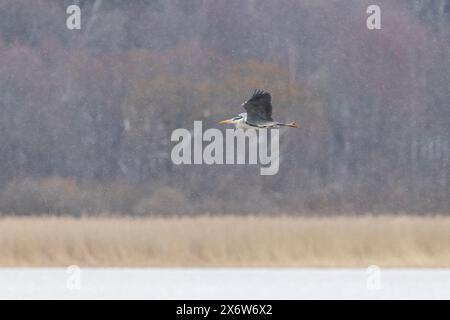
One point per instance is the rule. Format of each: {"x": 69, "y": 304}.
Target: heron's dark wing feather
{"x": 259, "y": 107}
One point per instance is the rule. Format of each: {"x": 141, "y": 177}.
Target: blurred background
{"x": 86, "y": 115}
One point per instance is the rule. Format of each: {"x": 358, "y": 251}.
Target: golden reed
{"x": 348, "y": 241}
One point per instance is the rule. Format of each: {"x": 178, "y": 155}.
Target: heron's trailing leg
{"x": 290, "y": 125}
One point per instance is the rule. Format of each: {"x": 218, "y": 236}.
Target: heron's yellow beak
{"x": 228, "y": 121}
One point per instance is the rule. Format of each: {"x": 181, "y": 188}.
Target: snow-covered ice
{"x": 223, "y": 283}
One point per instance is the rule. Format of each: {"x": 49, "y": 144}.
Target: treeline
{"x": 87, "y": 115}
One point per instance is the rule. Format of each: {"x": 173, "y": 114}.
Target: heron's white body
{"x": 242, "y": 123}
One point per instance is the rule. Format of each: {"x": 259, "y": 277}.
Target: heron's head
{"x": 233, "y": 120}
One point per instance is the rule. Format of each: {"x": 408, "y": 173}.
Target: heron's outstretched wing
{"x": 259, "y": 107}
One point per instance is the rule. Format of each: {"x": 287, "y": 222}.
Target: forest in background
{"x": 87, "y": 115}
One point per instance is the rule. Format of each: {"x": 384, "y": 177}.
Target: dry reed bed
{"x": 226, "y": 241}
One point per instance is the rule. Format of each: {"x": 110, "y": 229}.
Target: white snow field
{"x": 226, "y": 283}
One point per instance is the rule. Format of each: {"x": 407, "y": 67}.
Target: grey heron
{"x": 258, "y": 115}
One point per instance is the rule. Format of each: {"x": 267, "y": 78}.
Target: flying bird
{"x": 258, "y": 115}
